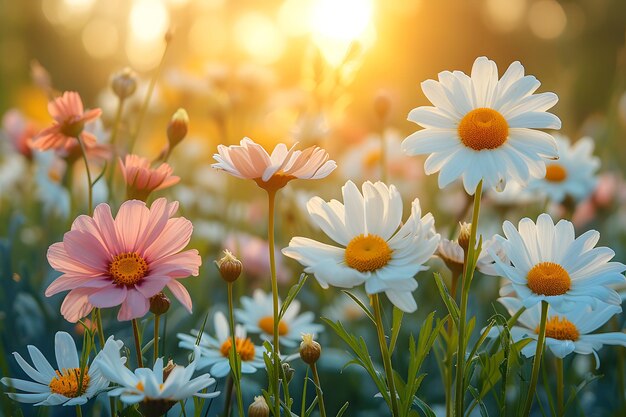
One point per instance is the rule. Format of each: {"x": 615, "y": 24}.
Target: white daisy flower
{"x": 215, "y": 350}
{"x": 573, "y": 175}
{"x": 454, "y": 256}
{"x": 147, "y": 384}
{"x": 57, "y": 386}
{"x": 484, "y": 128}
{"x": 375, "y": 250}
{"x": 549, "y": 263}
{"x": 257, "y": 316}
{"x": 565, "y": 333}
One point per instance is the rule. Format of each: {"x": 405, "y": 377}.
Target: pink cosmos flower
{"x": 141, "y": 180}
{"x": 19, "y": 130}
{"x": 249, "y": 160}
{"x": 69, "y": 123}
{"x": 123, "y": 261}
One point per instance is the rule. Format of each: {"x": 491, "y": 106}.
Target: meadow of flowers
{"x": 221, "y": 241}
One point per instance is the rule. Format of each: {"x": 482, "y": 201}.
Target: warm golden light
{"x": 547, "y": 19}
{"x": 97, "y": 45}
{"x": 258, "y": 36}
{"x": 148, "y": 19}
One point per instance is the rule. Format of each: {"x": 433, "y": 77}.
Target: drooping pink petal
{"x": 76, "y": 304}
{"x": 180, "y": 292}
{"x": 62, "y": 262}
{"x": 109, "y": 296}
{"x": 152, "y": 285}
{"x": 67, "y": 282}
{"x": 86, "y": 249}
{"x": 135, "y": 306}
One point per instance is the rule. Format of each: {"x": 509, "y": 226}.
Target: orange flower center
{"x": 275, "y": 183}
{"x": 367, "y": 253}
{"x": 555, "y": 173}
{"x": 245, "y": 348}
{"x": 66, "y": 382}
{"x": 548, "y": 278}
{"x": 267, "y": 325}
{"x": 128, "y": 268}
{"x": 560, "y": 328}
{"x": 483, "y": 128}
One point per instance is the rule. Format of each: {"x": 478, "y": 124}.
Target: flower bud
{"x": 382, "y": 105}
{"x": 124, "y": 83}
{"x": 177, "y": 127}
{"x": 259, "y": 408}
{"x": 159, "y": 304}
{"x": 310, "y": 350}
{"x": 167, "y": 370}
{"x": 464, "y": 235}
{"x": 288, "y": 372}
{"x": 230, "y": 267}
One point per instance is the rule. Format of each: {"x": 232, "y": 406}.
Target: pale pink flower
{"x": 249, "y": 160}
{"x": 141, "y": 180}
{"x": 69, "y": 123}
{"x": 123, "y": 261}
{"x": 19, "y": 130}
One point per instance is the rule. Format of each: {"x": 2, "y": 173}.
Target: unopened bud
{"x": 288, "y": 372}
{"x": 230, "y": 267}
{"x": 177, "y": 127}
{"x": 159, "y": 304}
{"x": 382, "y": 105}
{"x": 464, "y": 235}
{"x": 124, "y": 83}
{"x": 310, "y": 350}
{"x": 259, "y": 408}
{"x": 167, "y": 370}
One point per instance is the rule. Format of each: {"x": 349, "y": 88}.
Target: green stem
{"x": 137, "y": 343}
{"x": 229, "y": 396}
{"x": 537, "y": 360}
{"x": 559, "y": 385}
{"x": 83, "y": 151}
{"x": 271, "y": 202}
{"x": 99, "y": 326}
{"x": 114, "y": 134}
{"x": 156, "y": 336}
{"x": 236, "y": 372}
{"x": 385, "y": 354}
{"x": 79, "y": 412}
{"x": 146, "y": 101}
{"x": 318, "y": 389}
{"x": 468, "y": 273}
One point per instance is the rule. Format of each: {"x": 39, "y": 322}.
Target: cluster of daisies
{"x": 481, "y": 130}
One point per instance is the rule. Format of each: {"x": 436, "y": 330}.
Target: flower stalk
{"x": 271, "y": 194}
{"x": 137, "y": 343}
{"x": 235, "y": 360}
{"x": 384, "y": 351}
{"x": 83, "y": 152}
{"x": 537, "y": 360}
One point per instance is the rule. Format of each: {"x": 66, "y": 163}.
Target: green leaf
{"x": 425, "y": 408}
{"x": 396, "y": 323}
{"x": 363, "y": 307}
{"x": 343, "y": 409}
{"x": 291, "y": 295}
{"x": 448, "y": 300}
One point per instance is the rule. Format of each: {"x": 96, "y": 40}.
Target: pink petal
{"x": 135, "y": 306}
{"x": 181, "y": 294}
{"x": 174, "y": 237}
{"x": 152, "y": 285}
{"x": 157, "y": 220}
{"x": 86, "y": 249}
{"x": 109, "y": 296}
{"x": 69, "y": 282}
{"x": 92, "y": 114}
{"x": 179, "y": 265}
{"x": 62, "y": 262}
{"x": 131, "y": 219}
{"x": 104, "y": 221}
{"x": 76, "y": 304}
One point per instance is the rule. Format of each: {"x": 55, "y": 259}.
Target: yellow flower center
{"x": 367, "y": 253}
{"x": 560, "y": 328}
{"x": 245, "y": 348}
{"x": 267, "y": 325}
{"x": 128, "y": 268}
{"x": 66, "y": 382}
{"x": 555, "y": 173}
{"x": 483, "y": 128}
{"x": 548, "y": 278}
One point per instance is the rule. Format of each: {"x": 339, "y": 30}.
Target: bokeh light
{"x": 547, "y": 19}
{"x": 100, "y": 38}
{"x": 257, "y": 35}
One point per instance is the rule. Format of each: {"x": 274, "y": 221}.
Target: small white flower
{"x": 548, "y": 263}
{"x": 214, "y": 351}
{"x": 257, "y": 316}
{"x": 573, "y": 174}
{"x": 484, "y": 128}
{"x": 149, "y": 384}
{"x": 452, "y": 253}
{"x": 57, "y": 386}
{"x": 375, "y": 249}
{"x": 565, "y": 333}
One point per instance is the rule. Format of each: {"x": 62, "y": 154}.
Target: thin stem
{"x": 114, "y": 134}
{"x": 537, "y": 360}
{"x": 83, "y": 151}
{"x": 384, "y": 350}
{"x": 559, "y": 385}
{"x": 99, "y": 326}
{"x": 271, "y": 202}
{"x": 137, "y": 343}
{"x": 236, "y": 372}
{"x": 146, "y": 101}
{"x": 156, "y": 336}
{"x": 468, "y": 273}
{"x": 79, "y": 412}
{"x": 229, "y": 396}
{"x": 318, "y": 389}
